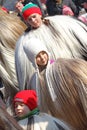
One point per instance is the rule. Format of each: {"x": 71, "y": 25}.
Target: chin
{"x": 20, "y": 115}
{"x": 37, "y": 26}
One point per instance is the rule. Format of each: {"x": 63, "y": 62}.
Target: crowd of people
{"x": 54, "y": 7}
{"x": 56, "y": 95}
{"x": 60, "y": 7}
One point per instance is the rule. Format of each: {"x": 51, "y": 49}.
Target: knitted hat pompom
{"x": 28, "y": 97}
{"x": 29, "y": 9}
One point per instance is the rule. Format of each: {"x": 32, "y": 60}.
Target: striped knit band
{"x": 30, "y": 9}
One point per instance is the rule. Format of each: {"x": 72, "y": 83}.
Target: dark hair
{"x": 1, "y": 94}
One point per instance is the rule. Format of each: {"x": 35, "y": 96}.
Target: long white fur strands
{"x": 24, "y": 67}
{"x": 64, "y": 37}
{"x": 11, "y": 27}
{"x": 69, "y": 80}
{"x": 8, "y": 57}
{"x": 8, "y": 75}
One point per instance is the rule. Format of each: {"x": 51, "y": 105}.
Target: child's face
{"x": 42, "y": 58}
{"x": 19, "y": 6}
{"x": 34, "y": 20}
{"x": 21, "y": 109}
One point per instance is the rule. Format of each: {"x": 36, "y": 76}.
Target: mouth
{"x": 19, "y": 113}
{"x": 43, "y": 61}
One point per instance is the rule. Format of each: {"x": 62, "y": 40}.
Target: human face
{"x": 42, "y": 58}
{"x": 19, "y": 6}
{"x": 35, "y": 20}
{"x": 84, "y": 5}
{"x": 21, "y": 109}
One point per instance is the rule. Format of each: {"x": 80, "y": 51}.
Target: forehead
{"x": 34, "y": 14}
{"x": 42, "y": 52}
{"x": 18, "y": 103}
{"x": 21, "y": 0}
{"x": 18, "y": 2}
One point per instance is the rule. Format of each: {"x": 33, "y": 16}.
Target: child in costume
{"x": 61, "y": 86}
{"x": 40, "y": 59}
{"x": 58, "y": 34}
{"x": 36, "y": 52}
{"x": 29, "y": 116}
{"x": 64, "y": 37}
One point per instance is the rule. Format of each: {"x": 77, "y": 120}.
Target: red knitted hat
{"x": 28, "y": 97}
{"x": 4, "y": 9}
{"x": 29, "y": 9}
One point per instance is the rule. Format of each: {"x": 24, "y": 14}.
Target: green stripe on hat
{"x": 27, "y": 6}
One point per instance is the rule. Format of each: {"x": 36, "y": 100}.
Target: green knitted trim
{"x": 33, "y": 112}
{"x": 27, "y": 6}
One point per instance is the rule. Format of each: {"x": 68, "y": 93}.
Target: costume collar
{"x": 33, "y": 112}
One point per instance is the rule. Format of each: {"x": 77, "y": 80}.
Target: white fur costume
{"x": 64, "y": 37}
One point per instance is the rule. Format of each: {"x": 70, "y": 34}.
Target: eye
{"x": 43, "y": 53}
{"x": 34, "y": 16}
{"x": 30, "y": 19}
{"x": 16, "y": 105}
{"x": 37, "y": 57}
{"x": 21, "y": 104}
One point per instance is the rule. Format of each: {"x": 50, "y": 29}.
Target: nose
{"x": 42, "y": 57}
{"x": 18, "y": 107}
{"x": 33, "y": 19}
